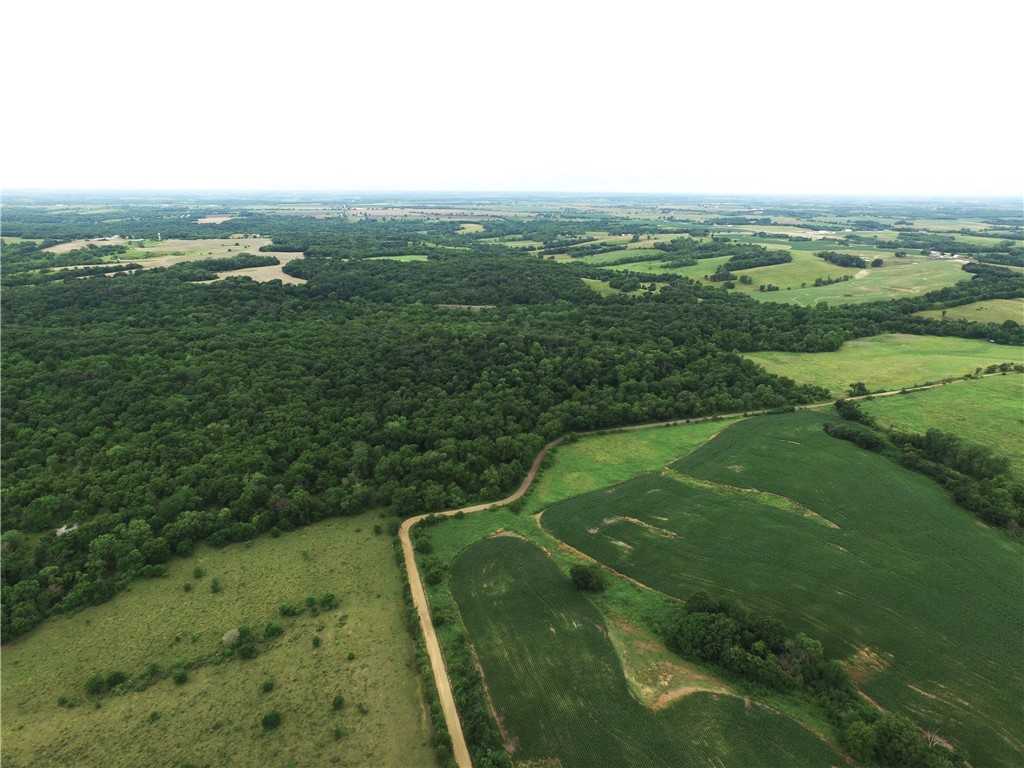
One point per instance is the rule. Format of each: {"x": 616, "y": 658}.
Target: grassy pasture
{"x": 214, "y": 718}
{"x": 988, "y": 411}
{"x": 559, "y": 691}
{"x": 890, "y": 361}
{"x": 919, "y": 598}
{"x": 898, "y": 278}
{"x": 991, "y": 311}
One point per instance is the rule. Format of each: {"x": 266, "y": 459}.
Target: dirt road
{"x": 419, "y": 599}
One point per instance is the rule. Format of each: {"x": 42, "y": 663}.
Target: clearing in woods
{"x": 991, "y": 311}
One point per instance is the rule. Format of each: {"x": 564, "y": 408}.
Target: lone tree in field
{"x": 587, "y": 578}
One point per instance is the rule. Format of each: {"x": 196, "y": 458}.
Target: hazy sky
{"x": 776, "y": 97}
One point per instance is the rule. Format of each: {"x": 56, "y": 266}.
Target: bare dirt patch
{"x": 660, "y": 531}
{"x": 215, "y": 219}
{"x": 865, "y": 664}
{"x": 656, "y": 677}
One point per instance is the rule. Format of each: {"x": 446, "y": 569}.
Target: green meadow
{"x": 597, "y": 461}
{"x": 991, "y": 311}
{"x": 214, "y": 718}
{"x": 558, "y": 688}
{"x": 406, "y": 257}
{"x": 988, "y": 411}
{"x": 897, "y": 278}
{"x": 602, "y": 288}
{"x": 919, "y": 598}
{"x": 890, "y": 361}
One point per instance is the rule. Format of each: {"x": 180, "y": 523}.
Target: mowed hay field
{"x": 890, "y": 361}
{"x": 559, "y": 691}
{"x": 921, "y": 600}
{"x": 214, "y": 718}
{"x": 988, "y": 411}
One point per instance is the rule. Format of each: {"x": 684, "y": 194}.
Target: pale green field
{"x": 988, "y": 411}
{"x": 598, "y": 461}
{"x": 891, "y": 361}
{"x": 910, "y": 276}
{"x": 214, "y": 718}
{"x": 897, "y": 279}
{"x": 947, "y": 225}
{"x": 602, "y": 288}
{"x": 991, "y": 311}
{"x": 603, "y": 258}
{"x": 406, "y": 257}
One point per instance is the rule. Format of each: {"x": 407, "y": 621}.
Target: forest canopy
{"x": 148, "y": 413}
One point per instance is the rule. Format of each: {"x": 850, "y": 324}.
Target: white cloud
{"x": 882, "y": 98}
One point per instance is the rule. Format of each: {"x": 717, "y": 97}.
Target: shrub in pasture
{"x": 271, "y": 720}
{"x": 328, "y": 601}
{"x": 115, "y": 679}
{"x": 287, "y": 609}
{"x": 95, "y": 685}
{"x": 338, "y": 702}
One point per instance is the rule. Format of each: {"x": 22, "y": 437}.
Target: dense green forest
{"x": 153, "y": 413}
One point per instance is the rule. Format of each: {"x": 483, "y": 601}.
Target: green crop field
{"x": 214, "y": 719}
{"x": 991, "y": 311}
{"x": 890, "y": 361}
{"x": 988, "y": 411}
{"x": 559, "y": 691}
{"x": 917, "y": 596}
